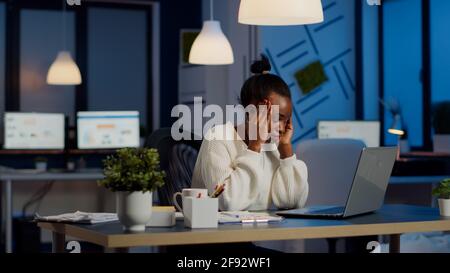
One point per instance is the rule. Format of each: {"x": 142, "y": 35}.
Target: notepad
{"x": 79, "y": 217}
{"x": 246, "y": 217}
{"x": 162, "y": 216}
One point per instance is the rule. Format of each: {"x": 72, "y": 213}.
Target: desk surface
{"x": 403, "y": 180}
{"x": 31, "y": 175}
{"x": 391, "y": 219}
{"x": 9, "y": 152}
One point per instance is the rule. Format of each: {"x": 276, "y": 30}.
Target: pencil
{"x": 218, "y": 190}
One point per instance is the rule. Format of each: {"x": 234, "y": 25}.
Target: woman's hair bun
{"x": 261, "y": 66}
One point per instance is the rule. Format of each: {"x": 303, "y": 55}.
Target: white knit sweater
{"x": 253, "y": 181}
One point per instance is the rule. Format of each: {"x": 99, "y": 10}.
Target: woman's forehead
{"x": 283, "y": 102}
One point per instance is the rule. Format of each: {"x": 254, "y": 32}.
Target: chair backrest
{"x": 177, "y": 159}
{"x": 331, "y": 166}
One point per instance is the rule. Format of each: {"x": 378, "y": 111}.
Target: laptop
{"x": 368, "y": 189}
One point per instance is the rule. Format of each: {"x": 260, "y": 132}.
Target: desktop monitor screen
{"x": 367, "y": 131}
{"x": 107, "y": 130}
{"x": 33, "y": 131}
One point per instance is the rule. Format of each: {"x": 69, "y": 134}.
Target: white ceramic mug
{"x": 195, "y": 193}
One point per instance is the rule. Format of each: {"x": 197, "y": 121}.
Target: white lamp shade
{"x": 280, "y": 12}
{"x": 211, "y": 47}
{"x": 64, "y": 71}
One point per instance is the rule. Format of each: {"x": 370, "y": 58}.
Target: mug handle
{"x": 175, "y": 202}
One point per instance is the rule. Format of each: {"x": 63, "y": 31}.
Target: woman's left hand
{"x": 286, "y": 137}
{"x": 285, "y": 145}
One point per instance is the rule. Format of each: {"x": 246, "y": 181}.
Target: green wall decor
{"x": 311, "y": 77}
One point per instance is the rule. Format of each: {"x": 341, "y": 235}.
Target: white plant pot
{"x": 441, "y": 143}
{"x": 41, "y": 166}
{"x": 134, "y": 209}
{"x": 444, "y": 207}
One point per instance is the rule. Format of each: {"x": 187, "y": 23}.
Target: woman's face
{"x": 285, "y": 113}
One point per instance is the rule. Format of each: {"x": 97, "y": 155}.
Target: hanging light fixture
{"x": 64, "y": 71}
{"x": 211, "y": 47}
{"x": 280, "y": 12}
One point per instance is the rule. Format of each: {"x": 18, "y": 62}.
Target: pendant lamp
{"x": 280, "y": 12}
{"x": 64, "y": 70}
{"x": 211, "y": 47}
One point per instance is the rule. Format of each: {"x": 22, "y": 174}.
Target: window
{"x": 402, "y": 45}
{"x": 41, "y": 38}
{"x": 440, "y": 48}
{"x": 117, "y": 60}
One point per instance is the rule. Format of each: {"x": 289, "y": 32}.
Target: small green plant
{"x": 132, "y": 169}
{"x": 443, "y": 190}
{"x": 311, "y": 77}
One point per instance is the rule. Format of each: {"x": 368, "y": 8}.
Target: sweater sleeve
{"x": 290, "y": 184}
{"x": 240, "y": 175}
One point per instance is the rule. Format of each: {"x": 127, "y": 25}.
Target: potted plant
{"x": 133, "y": 174}
{"x": 443, "y": 193}
{"x": 441, "y": 125}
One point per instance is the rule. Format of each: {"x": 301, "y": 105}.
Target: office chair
{"x": 331, "y": 167}
{"x": 177, "y": 159}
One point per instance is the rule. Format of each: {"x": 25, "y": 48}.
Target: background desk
{"x": 391, "y": 220}
{"x": 7, "y": 177}
{"x": 415, "y": 175}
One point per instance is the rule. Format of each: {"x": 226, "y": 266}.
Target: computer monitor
{"x": 33, "y": 131}
{"x": 107, "y": 130}
{"x": 367, "y": 131}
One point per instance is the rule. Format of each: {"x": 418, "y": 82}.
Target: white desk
{"x": 8, "y": 176}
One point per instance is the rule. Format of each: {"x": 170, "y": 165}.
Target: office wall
{"x": 117, "y": 60}
{"x": 333, "y": 44}
{"x": 41, "y": 38}
{"x": 440, "y": 48}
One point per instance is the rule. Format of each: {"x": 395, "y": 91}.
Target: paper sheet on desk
{"x": 79, "y": 217}
{"x": 230, "y": 217}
